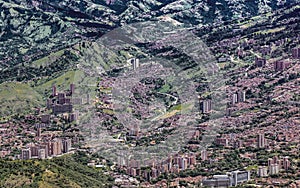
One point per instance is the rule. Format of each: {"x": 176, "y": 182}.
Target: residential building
{"x": 135, "y": 63}
{"x": 281, "y": 65}
{"x": 296, "y": 53}
{"x": 42, "y": 153}
{"x": 54, "y": 93}
{"x": 262, "y": 171}
{"x": 206, "y": 106}
{"x": 261, "y": 140}
{"x": 72, "y": 89}
{"x": 204, "y": 155}
{"x": 67, "y": 143}
{"x": 241, "y": 96}
{"x": 26, "y": 154}
{"x": 260, "y": 62}
{"x": 274, "y": 169}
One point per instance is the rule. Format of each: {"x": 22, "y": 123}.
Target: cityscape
{"x": 128, "y": 99}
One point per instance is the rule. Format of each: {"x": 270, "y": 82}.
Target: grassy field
{"x": 18, "y": 98}
{"x": 61, "y": 82}
{"x": 48, "y": 59}
{"x": 271, "y": 30}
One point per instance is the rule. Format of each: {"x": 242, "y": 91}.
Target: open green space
{"x": 17, "y": 97}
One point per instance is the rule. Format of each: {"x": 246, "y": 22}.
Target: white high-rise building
{"x": 262, "y": 171}
{"x": 274, "y": 169}
{"x": 261, "y": 141}
{"x": 203, "y": 155}
{"x": 42, "y": 153}
{"x": 135, "y": 63}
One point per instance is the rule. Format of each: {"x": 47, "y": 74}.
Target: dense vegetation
{"x": 65, "y": 171}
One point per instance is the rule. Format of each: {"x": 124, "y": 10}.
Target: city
{"x": 155, "y": 99}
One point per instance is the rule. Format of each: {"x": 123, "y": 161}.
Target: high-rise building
{"x": 56, "y": 147}
{"x": 34, "y": 151}
{"x": 204, "y": 155}
{"x": 261, "y": 140}
{"x": 262, "y": 171}
{"x": 135, "y": 63}
{"x": 296, "y": 53}
{"x": 45, "y": 147}
{"x": 192, "y": 159}
{"x": 183, "y": 163}
{"x": 241, "y": 96}
{"x": 260, "y": 62}
{"x": 54, "y": 91}
{"x": 286, "y": 163}
{"x": 274, "y": 169}
{"x": 73, "y": 116}
{"x": 281, "y": 65}
{"x": 234, "y": 99}
{"x": 88, "y": 98}
{"x": 42, "y": 153}
{"x": 66, "y": 145}
{"x": 270, "y": 162}
{"x": 206, "y": 106}
{"x": 26, "y": 154}
{"x": 72, "y": 89}
{"x": 39, "y": 132}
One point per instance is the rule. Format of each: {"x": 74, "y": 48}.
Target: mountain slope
{"x": 33, "y": 28}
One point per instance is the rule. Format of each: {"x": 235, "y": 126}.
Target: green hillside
{"x": 64, "y": 171}
{"x": 17, "y": 97}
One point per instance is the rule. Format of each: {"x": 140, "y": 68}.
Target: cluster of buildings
{"x": 35, "y": 129}
{"x": 52, "y": 148}
{"x": 275, "y": 164}
{"x": 256, "y": 139}
{"x": 63, "y": 102}
{"x": 257, "y": 126}
{"x": 174, "y": 164}
{"x": 260, "y": 142}
{"x": 232, "y": 141}
{"x": 105, "y": 95}
{"x": 279, "y": 65}
{"x": 238, "y": 97}
{"x": 135, "y": 63}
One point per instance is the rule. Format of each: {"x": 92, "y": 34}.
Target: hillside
{"x": 31, "y": 29}
{"x": 18, "y": 98}
{"x": 66, "y": 171}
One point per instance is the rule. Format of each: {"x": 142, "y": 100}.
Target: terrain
{"x": 67, "y": 171}
{"x": 30, "y": 30}
{"x": 43, "y": 42}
